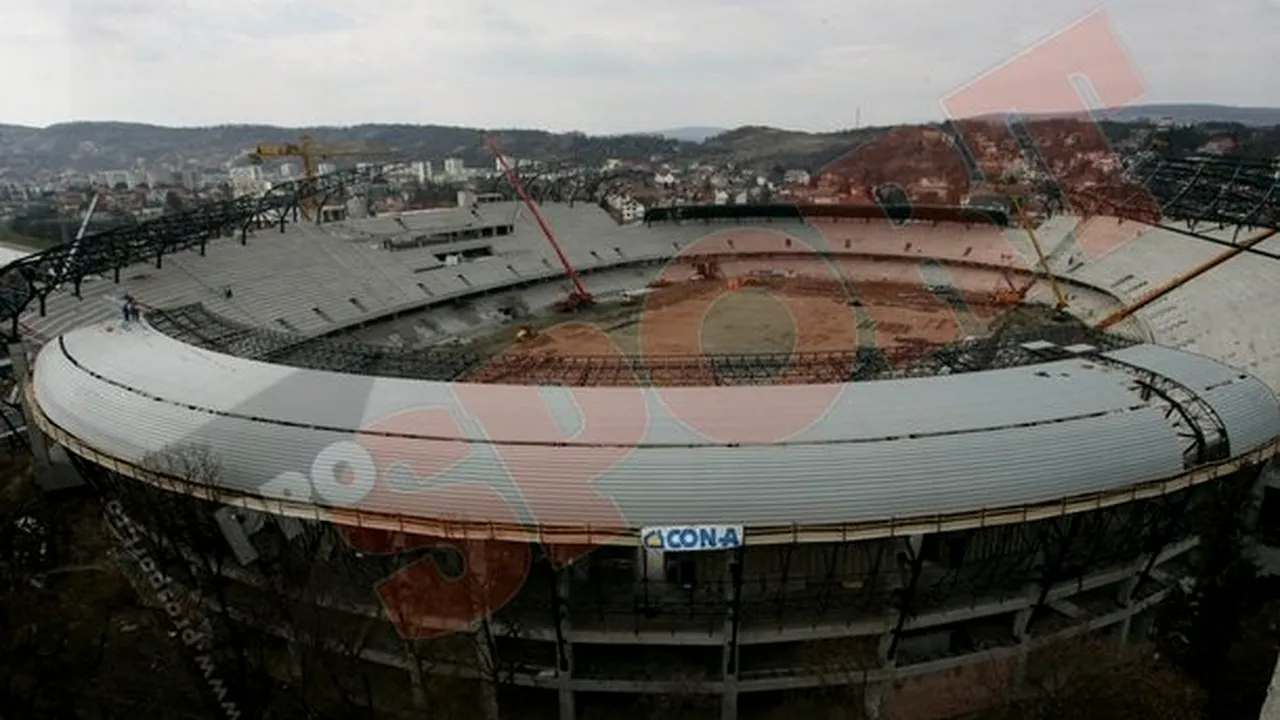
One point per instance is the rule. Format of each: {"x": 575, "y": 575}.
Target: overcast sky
{"x": 596, "y": 66}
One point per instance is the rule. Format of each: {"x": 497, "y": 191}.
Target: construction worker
{"x": 130, "y": 308}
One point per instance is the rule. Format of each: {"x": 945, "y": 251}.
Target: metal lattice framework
{"x": 1219, "y": 192}
{"x": 1203, "y": 192}
{"x": 1193, "y": 419}
{"x": 33, "y": 278}
{"x": 197, "y": 325}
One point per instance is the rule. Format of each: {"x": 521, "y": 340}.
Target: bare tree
{"x": 45, "y": 661}
{"x": 181, "y": 558}
{"x": 842, "y": 664}
{"x": 1087, "y": 678}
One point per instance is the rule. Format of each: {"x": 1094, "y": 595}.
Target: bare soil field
{"x": 890, "y": 309}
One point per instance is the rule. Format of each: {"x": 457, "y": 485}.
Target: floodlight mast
{"x": 579, "y": 295}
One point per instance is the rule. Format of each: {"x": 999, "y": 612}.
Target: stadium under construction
{"x": 378, "y": 441}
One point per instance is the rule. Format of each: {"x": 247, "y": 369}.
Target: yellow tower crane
{"x": 311, "y": 153}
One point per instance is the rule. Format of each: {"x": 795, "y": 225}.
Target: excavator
{"x": 311, "y": 153}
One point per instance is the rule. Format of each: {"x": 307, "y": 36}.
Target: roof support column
{"x": 1022, "y": 618}
{"x": 732, "y": 626}
{"x": 910, "y": 562}
{"x": 561, "y": 583}
{"x": 1268, "y": 476}
{"x": 41, "y": 467}
{"x": 1171, "y": 519}
{"x": 1057, "y": 554}
{"x": 417, "y": 682}
{"x": 489, "y": 672}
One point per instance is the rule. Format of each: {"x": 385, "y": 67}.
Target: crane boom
{"x": 310, "y": 153}
{"x": 580, "y": 295}
{"x": 1059, "y": 299}
{"x": 1182, "y": 279}
{"x": 84, "y": 226}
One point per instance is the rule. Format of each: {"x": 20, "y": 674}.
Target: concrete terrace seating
{"x": 380, "y": 227}
{"x": 445, "y": 219}
{"x": 985, "y": 244}
{"x": 1143, "y": 263}
{"x": 1226, "y": 314}
{"x": 1223, "y": 313}
{"x": 1088, "y": 240}
{"x": 314, "y": 279}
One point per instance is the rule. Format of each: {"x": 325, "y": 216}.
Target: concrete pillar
{"x": 886, "y": 642}
{"x": 1022, "y": 622}
{"x": 1021, "y": 633}
{"x": 22, "y": 375}
{"x": 488, "y": 687}
{"x": 294, "y": 660}
{"x": 729, "y": 662}
{"x": 873, "y": 693}
{"x": 1124, "y": 593}
{"x": 650, "y": 565}
{"x": 50, "y": 466}
{"x": 564, "y": 648}
{"x": 1122, "y": 637}
{"x": 1268, "y": 476}
{"x": 417, "y": 684}
{"x": 873, "y": 699}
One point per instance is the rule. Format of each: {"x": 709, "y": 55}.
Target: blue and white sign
{"x": 691, "y": 538}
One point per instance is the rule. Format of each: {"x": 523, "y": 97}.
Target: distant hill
{"x": 1187, "y": 114}
{"x": 1196, "y": 114}
{"x": 693, "y": 133}
{"x": 97, "y": 146}
{"x": 27, "y": 152}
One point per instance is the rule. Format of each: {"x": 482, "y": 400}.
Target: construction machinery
{"x": 1182, "y": 279}
{"x": 311, "y": 153}
{"x": 1012, "y": 296}
{"x": 578, "y": 296}
{"x": 707, "y": 269}
{"x": 1018, "y": 215}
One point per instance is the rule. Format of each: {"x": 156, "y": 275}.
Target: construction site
{"x": 893, "y": 462}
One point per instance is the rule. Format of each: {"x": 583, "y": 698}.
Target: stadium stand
{"x": 1215, "y": 314}
{"x": 919, "y": 535}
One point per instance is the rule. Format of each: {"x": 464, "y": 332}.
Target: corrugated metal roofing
{"x": 252, "y": 416}
{"x": 1197, "y": 372}
{"x": 684, "y": 415}
{"x": 1247, "y": 406}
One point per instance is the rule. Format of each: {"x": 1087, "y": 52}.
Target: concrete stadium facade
{"x": 911, "y": 541}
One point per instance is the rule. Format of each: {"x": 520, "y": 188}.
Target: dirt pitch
{"x": 773, "y": 315}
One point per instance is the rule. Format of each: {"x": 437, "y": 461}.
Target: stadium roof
{"x": 827, "y": 454}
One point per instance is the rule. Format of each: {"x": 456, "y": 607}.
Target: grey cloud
{"x": 593, "y": 65}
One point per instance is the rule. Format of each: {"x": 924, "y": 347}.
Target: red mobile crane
{"x": 579, "y": 296}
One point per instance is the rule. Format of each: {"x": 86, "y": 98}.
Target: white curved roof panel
{"x": 866, "y": 451}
